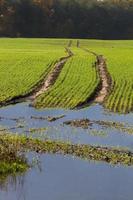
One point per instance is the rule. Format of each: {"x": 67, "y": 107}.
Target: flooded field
{"x": 27, "y": 120}
{"x": 65, "y": 177}
{"x": 74, "y": 179}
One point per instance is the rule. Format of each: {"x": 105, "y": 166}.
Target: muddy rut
{"x": 99, "y": 95}
{"x": 52, "y": 76}
{"x": 43, "y": 85}
{"x": 104, "y": 78}
{"x": 103, "y": 88}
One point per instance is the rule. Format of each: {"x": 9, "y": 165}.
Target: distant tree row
{"x": 102, "y": 19}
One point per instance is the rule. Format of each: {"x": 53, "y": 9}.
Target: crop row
{"x": 119, "y": 59}
{"x": 23, "y": 63}
{"x": 75, "y": 84}
{"x": 121, "y": 70}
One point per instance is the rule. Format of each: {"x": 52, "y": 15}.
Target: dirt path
{"x": 52, "y": 76}
{"x": 105, "y": 80}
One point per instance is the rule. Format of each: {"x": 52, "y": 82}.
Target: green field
{"x": 120, "y": 66}
{"x": 75, "y": 84}
{"x": 24, "y": 62}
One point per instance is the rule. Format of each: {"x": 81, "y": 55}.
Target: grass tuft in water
{"x": 110, "y": 155}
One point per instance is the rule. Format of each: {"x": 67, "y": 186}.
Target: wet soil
{"x": 105, "y": 79}
{"x": 52, "y": 76}
{"x": 82, "y": 123}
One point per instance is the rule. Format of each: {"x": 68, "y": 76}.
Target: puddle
{"x": 74, "y": 179}
{"x": 63, "y": 178}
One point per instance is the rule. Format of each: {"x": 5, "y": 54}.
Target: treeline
{"x": 105, "y": 19}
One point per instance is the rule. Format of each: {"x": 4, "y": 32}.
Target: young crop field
{"x": 62, "y": 92}
{"x": 75, "y": 85}
{"x": 121, "y": 70}
{"x": 66, "y": 99}
{"x": 23, "y": 63}
{"x": 119, "y": 61}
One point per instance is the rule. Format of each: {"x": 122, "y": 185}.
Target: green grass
{"x": 75, "y": 84}
{"x": 121, "y": 97}
{"x": 12, "y": 158}
{"x": 24, "y": 62}
{"x": 120, "y": 66}
{"x": 88, "y": 152}
{"x": 7, "y": 168}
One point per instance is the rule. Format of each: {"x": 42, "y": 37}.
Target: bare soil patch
{"x": 105, "y": 79}
{"x": 103, "y": 88}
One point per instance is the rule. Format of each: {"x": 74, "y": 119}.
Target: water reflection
{"x": 12, "y": 183}
{"x": 19, "y": 118}
{"x": 74, "y": 179}
{"x": 63, "y": 178}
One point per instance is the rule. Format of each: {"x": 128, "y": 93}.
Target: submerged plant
{"x": 89, "y": 152}
{"x": 82, "y": 123}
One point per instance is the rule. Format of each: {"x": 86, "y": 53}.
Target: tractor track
{"x": 43, "y": 84}
{"x": 52, "y": 76}
{"x": 105, "y": 79}
{"x": 102, "y": 90}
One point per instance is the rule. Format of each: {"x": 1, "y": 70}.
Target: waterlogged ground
{"x": 27, "y": 120}
{"x": 63, "y": 178}
{"x": 74, "y": 179}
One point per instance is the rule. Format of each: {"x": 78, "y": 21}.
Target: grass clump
{"x": 17, "y": 166}
{"x": 88, "y": 152}
{"x": 12, "y": 158}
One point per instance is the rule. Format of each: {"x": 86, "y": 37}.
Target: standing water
{"x": 66, "y": 177}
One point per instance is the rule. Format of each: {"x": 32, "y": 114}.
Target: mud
{"x": 105, "y": 79}
{"x": 83, "y": 123}
{"x": 86, "y": 123}
{"x": 52, "y": 76}
{"x": 102, "y": 90}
